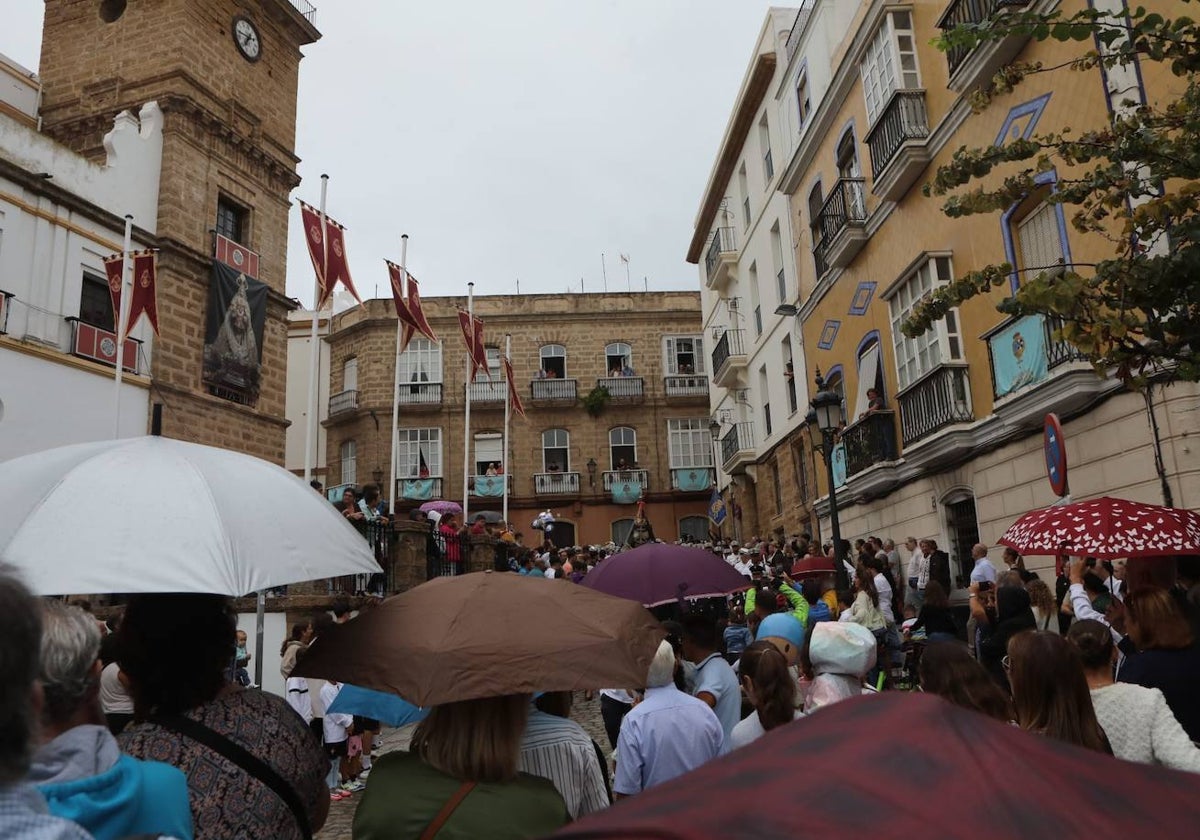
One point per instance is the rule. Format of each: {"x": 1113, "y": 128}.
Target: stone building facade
{"x": 650, "y": 440}
{"x": 228, "y": 165}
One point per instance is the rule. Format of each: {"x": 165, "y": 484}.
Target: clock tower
{"x": 224, "y": 73}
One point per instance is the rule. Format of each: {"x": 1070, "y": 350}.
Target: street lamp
{"x": 591, "y": 468}
{"x": 826, "y": 416}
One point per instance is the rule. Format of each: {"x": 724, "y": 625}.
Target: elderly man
{"x": 23, "y": 811}
{"x": 556, "y": 748}
{"x": 983, "y": 570}
{"x": 79, "y": 768}
{"x": 666, "y": 735}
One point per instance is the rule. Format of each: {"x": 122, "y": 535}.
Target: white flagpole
{"x": 505, "y": 463}
{"x": 123, "y": 307}
{"x": 467, "y": 411}
{"x": 314, "y": 359}
{"x": 396, "y": 388}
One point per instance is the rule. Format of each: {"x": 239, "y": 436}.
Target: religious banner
{"x": 626, "y": 492}
{"x": 839, "y": 465}
{"x": 490, "y": 485}
{"x": 1019, "y": 354}
{"x": 233, "y": 335}
{"x": 420, "y": 322}
{"x": 716, "y": 507}
{"x": 114, "y": 268}
{"x": 237, "y": 256}
{"x": 417, "y": 488}
{"x": 692, "y": 480}
{"x": 337, "y": 266}
{"x": 143, "y": 300}
{"x": 514, "y": 399}
{"x": 314, "y": 237}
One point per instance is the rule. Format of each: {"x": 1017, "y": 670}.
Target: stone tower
{"x": 224, "y": 73}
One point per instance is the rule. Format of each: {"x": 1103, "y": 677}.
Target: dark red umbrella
{"x": 906, "y": 765}
{"x": 813, "y": 566}
{"x": 1106, "y": 528}
{"x": 661, "y": 573}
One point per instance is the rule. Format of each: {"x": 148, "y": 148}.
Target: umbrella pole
{"x": 396, "y": 388}
{"x": 467, "y": 411}
{"x": 119, "y": 319}
{"x": 259, "y": 624}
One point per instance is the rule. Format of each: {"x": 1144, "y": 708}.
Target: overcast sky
{"x": 509, "y": 140}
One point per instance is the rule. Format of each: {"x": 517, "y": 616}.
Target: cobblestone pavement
{"x": 341, "y": 814}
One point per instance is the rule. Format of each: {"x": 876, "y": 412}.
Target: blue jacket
{"x": 85, "y": 778}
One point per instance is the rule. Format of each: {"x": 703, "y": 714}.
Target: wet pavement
{"x": 341, "y": 814}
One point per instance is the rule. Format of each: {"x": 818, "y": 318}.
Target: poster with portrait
{"x": 233, "y": 334}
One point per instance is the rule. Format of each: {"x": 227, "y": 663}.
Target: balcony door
{"x": 556, "y": 451}
{"x": 489, "y": 450}
{"x": 562, "y": 534}
{"x": 622, "y": 448}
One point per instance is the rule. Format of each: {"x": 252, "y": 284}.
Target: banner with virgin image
{"x": 233, "y": 335}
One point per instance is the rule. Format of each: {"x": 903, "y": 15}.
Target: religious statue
{"x": 641, "y": 532}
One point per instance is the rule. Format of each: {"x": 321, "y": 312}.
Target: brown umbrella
{"x": 488, "y": 634}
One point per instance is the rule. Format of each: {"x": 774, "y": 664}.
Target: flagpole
{"x": 467, "y": 411}
{"x": 396, "y": 387}
{"x": 314, "y": 358}
{"x": 121, "y": 325}
{"x": 505, "y": 461}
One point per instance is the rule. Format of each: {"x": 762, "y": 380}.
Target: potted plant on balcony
{"x": 596, "y": 400}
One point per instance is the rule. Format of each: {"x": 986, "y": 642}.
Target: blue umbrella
{"x": 389, "y": 709}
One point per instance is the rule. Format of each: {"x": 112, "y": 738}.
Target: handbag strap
{"x": 449, "y": 808}
{"x": 244, "y": 759}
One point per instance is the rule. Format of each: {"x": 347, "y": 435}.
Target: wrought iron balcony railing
{"x": 724, "y": 241}
{"x": 685, "y": 386}
{"x": 556, "y": 484}
{"x": 845, "y": 206}
{"x": 939, "y": 399}
{"x": 737, "y": 439}
{"x": 420, "y": 393}
{"x": 623, "y": 387}
{"x": 343, "y": 402}
{"x": 611, "y": 477}
{"x": 553, "y": 389}
{"x": 870, "y": 441}
{"x": 961, "y": 12}
{"x": 903, "y": 119}
{"x": 729, "y": 344}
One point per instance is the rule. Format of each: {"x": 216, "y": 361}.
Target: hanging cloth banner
{"x": 417, "y": 488}
{"x": 626, "y": 492}
{"x": 490, "y": 485}
{"x": 114, "y": 267}
{"x": 237, "y": 314}
{"x": 144, "y": 298}
{"x": 693, "y": 481}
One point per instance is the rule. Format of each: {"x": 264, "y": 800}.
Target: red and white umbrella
{"x": 1106, "y": 528}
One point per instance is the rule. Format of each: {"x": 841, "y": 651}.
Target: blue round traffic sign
{"x": 1055, "y": 447}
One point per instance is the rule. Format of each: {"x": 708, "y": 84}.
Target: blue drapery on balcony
{"x": 1019, "y": 355}
{"x": 693, "y": 480}
{"x": 490, "y": 485}
{"x": 418, "y": 488}
{"x": 626, "y": 492}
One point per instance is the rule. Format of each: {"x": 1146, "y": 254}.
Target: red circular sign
{"x": 1055, "y": 447}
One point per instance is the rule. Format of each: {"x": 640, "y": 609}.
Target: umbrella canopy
{"x": 492, "y": 517}
{"x": 487, "y": 634}
{"x": 661, "y": 573}
{"x": 388, "y": 709}
{"x": 813, "y": 566}
{"x": 151, "y": 514}
{"x": 988, "y": 780}
{"x": 442, "y": 507}
{"x": 1106, "y": 528}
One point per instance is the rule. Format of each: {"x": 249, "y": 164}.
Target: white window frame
{"x": 421, "y": 361}
{"x": 494, "y": 443}
{"x": 348, "y": 453}
{"x": 493, "y": 361}
{"x": 627, "y": 354}
{"x": 671, "y": 353}
{"x": 350, "y": 374}
{"x": 559, "y": 439}
{"x": 1039, "y": 241}
{"x": 915, "y": 357}
{"x": 888, "y": 66}
{"x": 622, "y": 436}
{"x": 803, "y": 98}
{"x": 689, "y": 443}
{"x": 411, "y": 441}
{"x": 548, "y": 351}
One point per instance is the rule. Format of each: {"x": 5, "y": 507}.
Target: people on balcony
{"x": 874, "y": 403}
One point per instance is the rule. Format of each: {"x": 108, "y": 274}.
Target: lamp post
{"x": 826, "y": 416}
{"x": 591, "y": 468}
{"x": 714, "y": 430}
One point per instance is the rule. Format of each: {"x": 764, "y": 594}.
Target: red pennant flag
{"x": 396, "y": 275}
{"x": 335, "y": 260}
{"x": 420, "y": 322}
{"x": 464, "y": 323}
{"x": 114, "y": 268}
{"x": 144, "y": 298}
{"x": 480, "y": 350}
{"x": 314, "y": 235}
{"x": 513, "y": 398}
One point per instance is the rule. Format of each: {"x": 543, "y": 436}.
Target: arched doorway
{"x": 563, "y": 534}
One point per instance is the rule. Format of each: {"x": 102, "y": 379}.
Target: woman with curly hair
{"x": 1041, "y": 600}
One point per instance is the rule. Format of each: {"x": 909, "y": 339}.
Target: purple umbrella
{"x": 442, "y": 507}
{"x": 661, "y": 573}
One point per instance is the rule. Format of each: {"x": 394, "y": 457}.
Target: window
{"x": 489, "y": 449}
{"x": 418, "y": 453}
{"x": 789, "y": 375}
{"x": 917, "y": 356}
{"x": 617, "y": 357}
{"x": 752, "y": 282}
{"x": 777, "y": 487}
{"x": 801, "y": 465}
{"x": 847, "y": 156}
{"x": 962, "y": 524}
{"x": 870, "y": 377}
{"x": 493, "y": 362}
{"x": 685, "y": 354}
{"x": 890, "y": 63}
{"x": 777, "y": 263}
{"x": 689, "y": 443}
{"x": 1040, "y": 244}
{"x": 765, "y": 391}
{"x": 622, "y": 448}
{"x": 421, "y": 361}
{"x": 554, "y": 360}
{"x": 764, "y": 142}
{"x": 350, "y": 374}
{"x": 95, "y": 303}
{"x": 803, "y": 98}
{"x": 835, "y": 383}
{"x": 694, "y": 528}
{"x": 349, "y": 464}
{"x": 556, "y": 450}
{"x": 744, "y": 188}
{"x": 620, "y": 530}
{"x": 231, "y": 220}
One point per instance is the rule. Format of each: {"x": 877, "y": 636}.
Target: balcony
{"x": 729, "y": 357}
{"x": 870, "y": 441}
{"x": 556, "y": 484}
{"x": 619, "y": 477}
{"x": 820, "y": 258}
{"x": 692, "y": 479}
{"x": 553, "y": 390}
{"x": 307, "y": 10}
{"x": 899, "y": 153}
{"x": 971, "y": 67}
{"x": 938, "y": 399}
{"x": 418, "y": 394}
{"x": 419, "y": 489}
{"x": 490, "y": 486}
{"x": 737, "y": 447}
{"x": 802, "y": 16}
{"x": 720, "y": 261}
{"x": 843, "y": 222}
{"x": 623, "y": 388}
{"x": 99, "y": 345}
{"x": 685, "y": 387}
{"x": 488, "y": 394}
{"x": 342, "y": 403}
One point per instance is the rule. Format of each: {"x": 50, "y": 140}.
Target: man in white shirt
{"x": 984, "y": 570}
{"x": 558, "y": 749}
{"x": 918, "y": 573}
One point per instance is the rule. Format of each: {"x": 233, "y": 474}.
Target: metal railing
{"x": 612, "y": 477}
{"x": 99, "y": 345}
{"x": 723, "y": 241}
{"x": 845, "y": 206}
{"x": 737, "y": 439}
{"x": 870, "y": 441}
{"x": 307, "y": 10}
{"x": 380, "y": 538}
{"x": 446, "y": 554}
{"x": 802, "y": 16}
{"x": 970, "y": 11}
{"x": 903, "y": 119}
{"x": 940, "y": 398}
{"x": 685, "y": 386}
{"x": 820, "y": 260}
{"x": 729, "y": 344}
{"x": 488, "y": 392}
{"x": 623, "y": 387}
{"x": 1059, "y": 351}
{"x": 553, "y": 389}
{"x": 343, "y": 402}
{"x": 420, "y": 393}
{"x": 556, "y": 483}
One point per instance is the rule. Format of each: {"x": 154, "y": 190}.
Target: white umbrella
{"x": 152, "y": 514}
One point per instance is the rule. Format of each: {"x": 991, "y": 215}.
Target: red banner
{"x": 237, "y": 257}
{"x": 144, "y": 298}
{"x": 315, "y": 237}
{"x": 464, "y": 323}
{"x": 113, "y": 269}
{"x": 396, "y": 276}
{"x": 338, "y": 269}
{"x": 480, "y": 351}
{"x": 420, "y": 322}
{"x": 514, "y": 399}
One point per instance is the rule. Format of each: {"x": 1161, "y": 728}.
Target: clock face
{"x": 246, "y": 38}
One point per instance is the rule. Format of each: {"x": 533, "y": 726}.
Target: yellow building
{"x": 955, "y": 452}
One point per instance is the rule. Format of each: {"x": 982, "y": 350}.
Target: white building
{"x": 299, "y": 369}
{"x": 60, "y": 216}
